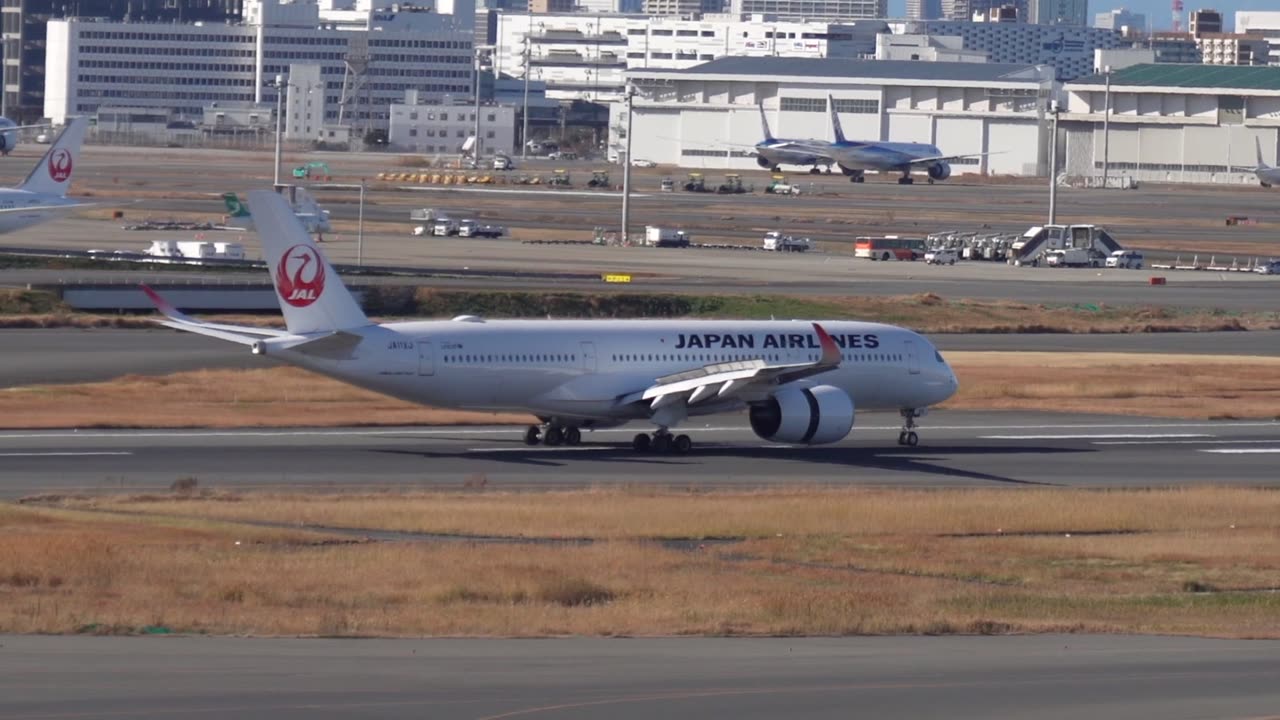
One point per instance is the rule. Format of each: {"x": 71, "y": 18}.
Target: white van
{"x": 1125, "y": 259}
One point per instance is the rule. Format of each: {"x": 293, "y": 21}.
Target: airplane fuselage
{"x": 579, "y": 370}
{"x": 1268, "y": 176}
{"x": 41, "y": 209}
{"x": 854, "y": 155}
{"x": 794, "y": 152}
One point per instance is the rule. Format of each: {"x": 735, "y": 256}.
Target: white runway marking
{"x": 1242, "y": 451}
{"x": 1185, "y": 442}
{"x": 526, "y": 448}
{"x": 1095, "y": 436}
{"x": 61, "y": 454}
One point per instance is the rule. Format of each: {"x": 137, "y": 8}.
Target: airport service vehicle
{"x": 313, "y": 217}
{"x": 312, "y": 171}
{"x": 502, "y": 162}
{"x": 778, "y": 185}
{"x": 1125, "y": 259}
{"x": 443, "y": 227}
{"x": 1271, "y": 267}
{"x": 800, "y": 382}
{"x": 889, "y": 247}
{"x": 1073, "y": 257}
{"x": 774, "y": 240}
{"x": 642, "y": 163}
{"x": 43, "y": 195}
{"x": 471, "y": 228}
{"x": 665, "y": 237}
{"x": 946, "y": 256}
{"x": 424, "y": 215}
{"x": 195, "y": 250}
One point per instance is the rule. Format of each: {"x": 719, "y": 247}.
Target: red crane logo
{"x": 60, "y": 165}
{"x": 300, "y": 276}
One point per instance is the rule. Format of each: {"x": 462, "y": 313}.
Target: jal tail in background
{"x": 52, "y": 175}
{"x": 1262, "y": 165}
{"x": 235, "y": 208}
{"x": 312, "y": 297}
{"x": 835, "y": 121}
{"x": 764, "y": 125}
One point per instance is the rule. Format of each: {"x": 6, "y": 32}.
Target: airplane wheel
{"x": 640, "y": 443}
{"x": 814, "y": 171}
{"x": 913, "y": 439}
{"x": 572, "y": 436}
{"x": 860, "y": 178}
{"x": 662, "y": 443}
{"x": 682, "y": 444}
{"x": 532, "y": 435}
{"x": 554, "y": 437}
{"x": 902, "y": 438}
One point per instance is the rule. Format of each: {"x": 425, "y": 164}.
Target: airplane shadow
{"x": 927, "y": 461}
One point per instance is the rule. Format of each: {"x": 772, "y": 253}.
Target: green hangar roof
{"x": 1201, "y": 77}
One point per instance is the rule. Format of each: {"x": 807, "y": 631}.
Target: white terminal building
{"x": 351, "y": 66}
{"x": 708, "y": 116}
{"x": 586, "y": 57}
{"x": 1173, "y": 123}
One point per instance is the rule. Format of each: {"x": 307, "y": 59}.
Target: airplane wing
{"x": 944, "y": 158}
{"x": 728, "y": 380}
{"x": 41, "y": 208}
{"x": 24, "y": 127}
{"x": 232, "y": 333}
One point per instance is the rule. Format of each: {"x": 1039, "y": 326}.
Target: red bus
{"x": 889, "y": 247}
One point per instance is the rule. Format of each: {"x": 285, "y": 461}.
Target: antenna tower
{"x": 1177, "y": 15}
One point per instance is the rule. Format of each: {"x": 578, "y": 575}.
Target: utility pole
{"x": 630, "y": 92}
{"x": 1053, "y": 163}
{"x": 1106, "y": 129}
{"x": 475, "y": 149}
{"x": 279, "y": 121}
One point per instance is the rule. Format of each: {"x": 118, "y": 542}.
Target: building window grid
{"x": 803, "y": 104}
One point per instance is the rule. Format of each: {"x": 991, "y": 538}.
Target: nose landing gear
{"x": 908, "y": 436}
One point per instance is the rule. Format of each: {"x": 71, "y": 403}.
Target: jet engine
{"x": 763, "y": 162}
{"x": 939, "y": 171}
{"x": 8, "y": 140}
{"x": 808, "y": 416}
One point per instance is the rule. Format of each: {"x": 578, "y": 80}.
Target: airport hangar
{"x": 708, "y": 117}
{"x": 1173, "y": 123}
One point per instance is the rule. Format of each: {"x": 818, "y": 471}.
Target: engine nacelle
{"x": 806, "y": 416}
{"x": 939, "y": 171}
{"x": 8, "y": 140}
{"x": 764, "y": 162}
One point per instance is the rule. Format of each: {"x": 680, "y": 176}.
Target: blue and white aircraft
{"x": 855, "y": 157}
{"x": 772, "y": 152}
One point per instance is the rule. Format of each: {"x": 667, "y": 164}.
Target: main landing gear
{"x": 908, "y": 436}
{"x": 552, "y": 435}
{"x": 906, "y": 178}
{"x": 662, "y": 442}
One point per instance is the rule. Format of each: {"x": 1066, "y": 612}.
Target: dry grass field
{"x": 783, "y": 562}
{"x": 1184, "y": 386}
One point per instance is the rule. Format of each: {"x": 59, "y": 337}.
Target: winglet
{"x": 830, "y": 351}
{"x": 164, "y": 306}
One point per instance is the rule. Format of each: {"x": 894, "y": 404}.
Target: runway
{"x": 59, "y": 355}
{"x": 1048, "y": 677}
{"x": 958, "y": 449}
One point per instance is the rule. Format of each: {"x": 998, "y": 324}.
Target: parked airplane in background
{"x": 800, "y": 382}
{"x": 855, "y": 157}
{"x": 43, "y": 195}
{"x": 305, "y": 208}
{"x": 1266, "y": 174}
{"x": 772, "y": 152}
{"x": 9, "y": 134}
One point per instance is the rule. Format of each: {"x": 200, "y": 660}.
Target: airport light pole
{"x": 1054, "y": 109}
{"x": 475, "y": 149}
{"x": 279, "y": 86}
{"x": 626, "y": 167}
{"x": 528, "y": 54}
{"x": 1106, "y": 128}
{"x": 360, "y": 228}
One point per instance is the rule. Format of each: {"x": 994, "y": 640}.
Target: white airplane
{"x": 43, "y": 195}
{"x": 9, "y": 134}
{"x": 1267, "y": 175}
{"x": 800, "y": 382}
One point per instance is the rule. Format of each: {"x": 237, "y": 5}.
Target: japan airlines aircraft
{"x": 1267, "y": 175}
{"x": 306, "y": 209}
{"x": 855, "y": 157}
{"x": 43, "y": 195}
{"x": 800, "y": 382}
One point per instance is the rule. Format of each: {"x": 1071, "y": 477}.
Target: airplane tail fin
{"x": 835, "y": 120}
{"x": 312, "y": 296}
{"x": 1262, "y": 165}
{"x": 52, "y": 175}
{"x": 764, "y": 124}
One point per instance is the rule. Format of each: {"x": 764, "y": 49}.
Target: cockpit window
{"x": 939, "y": 356}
